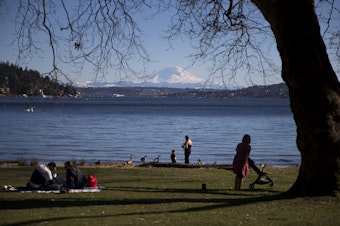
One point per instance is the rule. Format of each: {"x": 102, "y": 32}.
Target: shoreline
{"x": 115, "y": 164}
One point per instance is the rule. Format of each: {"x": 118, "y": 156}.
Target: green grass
{"x": 165, "y": 196}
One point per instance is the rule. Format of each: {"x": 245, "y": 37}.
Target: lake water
{"x": 112, "y": 129}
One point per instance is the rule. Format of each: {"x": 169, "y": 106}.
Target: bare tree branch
{"x": 329, "y": 17}
{"x": 101, "y": 33}
{"x": 50, "y": 36}
{"x": 230, "y": 34}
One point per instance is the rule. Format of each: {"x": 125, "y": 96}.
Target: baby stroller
{"x": 262, "y": 176}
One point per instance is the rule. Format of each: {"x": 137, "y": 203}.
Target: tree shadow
{"x": 223, "y": 199}
{"x": 223, "y": 192}
{"x": 212, "y": 203}
{"x": 249, "y": 197}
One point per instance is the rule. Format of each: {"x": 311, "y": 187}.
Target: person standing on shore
{"x": 187, "y": 149}
{"x": 240, "y": 163}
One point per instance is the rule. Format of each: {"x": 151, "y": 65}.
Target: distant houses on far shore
{"x": 270, "y": 91}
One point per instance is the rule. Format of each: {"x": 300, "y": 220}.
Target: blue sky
{"x": 157, "y": 47}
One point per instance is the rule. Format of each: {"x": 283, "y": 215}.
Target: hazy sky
{"x": 158, "y": 48}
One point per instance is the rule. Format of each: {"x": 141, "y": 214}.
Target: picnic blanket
{"x": 24, "y": 189}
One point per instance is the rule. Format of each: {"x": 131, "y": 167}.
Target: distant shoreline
{"x": 270, "y": 91}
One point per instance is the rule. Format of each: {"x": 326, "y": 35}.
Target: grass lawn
{"x": 165, "y": 196}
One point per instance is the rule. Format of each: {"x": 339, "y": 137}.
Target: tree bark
{"x": 314, "y": 92}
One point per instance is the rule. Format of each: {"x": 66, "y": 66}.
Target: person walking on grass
{"x": 240, "y": 163}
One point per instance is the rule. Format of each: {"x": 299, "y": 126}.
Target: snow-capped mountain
{"x": 172, "y": 77}
{"x": 175, "y": 74}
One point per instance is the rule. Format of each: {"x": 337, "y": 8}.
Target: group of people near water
{"x": 44, "y": 177}
{"x": 240, "y": 162}
{"x": 187, "y": 151}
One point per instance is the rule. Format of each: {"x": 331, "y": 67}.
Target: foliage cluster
{"x": 15, "y": 80}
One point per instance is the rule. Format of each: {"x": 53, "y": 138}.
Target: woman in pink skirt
{"x": 240, "y": 163}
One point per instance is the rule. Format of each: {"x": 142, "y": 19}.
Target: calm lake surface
{"x": 112, "y": 129}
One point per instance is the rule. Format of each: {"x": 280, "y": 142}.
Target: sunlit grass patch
{"x": 165, "y": 196}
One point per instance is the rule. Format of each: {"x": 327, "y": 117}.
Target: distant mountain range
{"x": 172, "y": 81}
{"x": 170, "y": 77}
{"x": 271, "y": 91}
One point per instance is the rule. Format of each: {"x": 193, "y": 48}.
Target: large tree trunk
{"x": 314, "y": 92}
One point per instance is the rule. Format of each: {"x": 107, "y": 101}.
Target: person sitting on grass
{"x": 44, "y": 178}
{"x": 74, "y": 177}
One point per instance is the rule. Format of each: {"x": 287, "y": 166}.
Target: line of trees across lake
{"x": 15, "y": 80}
{"x": 269, "y": 91}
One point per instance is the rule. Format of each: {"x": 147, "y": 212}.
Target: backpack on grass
{"x": 91, "y": 181}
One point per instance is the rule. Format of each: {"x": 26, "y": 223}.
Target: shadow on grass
{"x": 223, "y": 192}
{"x": 228, "y": 199}
{"x": 63, "y": 201}
{"x": 212, "y": 203}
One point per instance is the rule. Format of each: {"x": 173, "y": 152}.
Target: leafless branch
{"x": 101, "y": 33}
{"x": 329, "y": 16}
{"x": 230, "y": 34}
